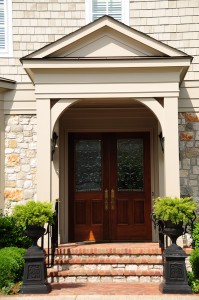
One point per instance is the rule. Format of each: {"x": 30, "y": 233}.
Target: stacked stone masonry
{"x": 20, "y": 158}
{"x": 189, "y": 154}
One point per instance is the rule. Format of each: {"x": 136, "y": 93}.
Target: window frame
{"x": 125, "y": 11}
{"x": 8, "y": 50}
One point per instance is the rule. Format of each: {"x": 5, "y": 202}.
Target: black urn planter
{"x": 35, "y": 272}
{"x": 172, "y": 230}
{"x": 34, "y": 233}
{"x": 175, "y": 274}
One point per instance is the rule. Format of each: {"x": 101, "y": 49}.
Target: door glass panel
{"x": 88, "y": 165}
{"x": 130, "y": 167}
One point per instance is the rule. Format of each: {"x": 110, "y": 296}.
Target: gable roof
{"x": 100, "y": 38}
{"x": 105, "y": 43}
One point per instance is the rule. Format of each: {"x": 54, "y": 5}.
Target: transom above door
{"x": 109, "y": 187}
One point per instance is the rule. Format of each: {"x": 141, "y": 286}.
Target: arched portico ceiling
{"x": 59, "y": 108}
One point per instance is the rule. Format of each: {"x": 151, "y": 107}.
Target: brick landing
{"x": 106, "y": 289}
{"x": 107, "y": 262}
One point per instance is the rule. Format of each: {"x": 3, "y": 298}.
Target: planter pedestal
{"x": 175, "y": 275}
{"x": 35, "y": 272}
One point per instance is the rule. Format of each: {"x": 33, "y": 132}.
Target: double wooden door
{"x": 109, "y": 187}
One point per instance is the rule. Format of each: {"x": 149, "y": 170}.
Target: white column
{"x": 43, "y": 150}
{"x": 171, "y": 148}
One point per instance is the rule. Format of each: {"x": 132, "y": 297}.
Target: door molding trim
{"x": 63, "y": 214}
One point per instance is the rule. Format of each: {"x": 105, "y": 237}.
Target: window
{"x": 118, "y": 9}
{"x": 5, "y": 28}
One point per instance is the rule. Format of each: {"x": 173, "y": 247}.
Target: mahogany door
{"x": 109, "y": 187}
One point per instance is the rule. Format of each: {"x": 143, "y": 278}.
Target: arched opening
{"x": 114, "y": 122}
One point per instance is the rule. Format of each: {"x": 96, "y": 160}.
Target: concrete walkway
{"x": 101, "y": 297}
{"x": 103, "y": 291}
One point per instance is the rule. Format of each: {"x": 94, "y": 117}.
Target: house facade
{"x": 99, "y": 108}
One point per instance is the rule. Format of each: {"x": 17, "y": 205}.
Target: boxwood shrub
{"x": 11, "y": 234}
{"x": 11, "y": 265}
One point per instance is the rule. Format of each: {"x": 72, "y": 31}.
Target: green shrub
{"x": 11, "y": 266}
{"x": 194, "y": 260}
{"x": 195, "y": 235}
{"x": 11, "y": 288}
{"x": 33, "y": 213}
{"x": 11, "y": 234}
{"x": 193, "y": 277}
{"x": 193, "y": 282}
{"x": 174, "y": 209}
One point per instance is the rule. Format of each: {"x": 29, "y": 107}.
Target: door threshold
{"x": 109, "y": 242}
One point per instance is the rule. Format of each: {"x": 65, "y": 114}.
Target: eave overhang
{"x": 7, "y": 84}
{"x": 106, "y": 44}
{"x": 35, "y": 65}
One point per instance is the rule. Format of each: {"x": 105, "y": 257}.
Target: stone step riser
{"x": 107, "y": 278}
{"x": 106, "y": 269}
{"x": 132, "y": 267}
{"x": 106, "y": 264}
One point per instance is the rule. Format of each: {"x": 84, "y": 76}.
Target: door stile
{"x": 106, "y": 187}
{"x": 71, "y": 187}
{"x": 113, "y": 185}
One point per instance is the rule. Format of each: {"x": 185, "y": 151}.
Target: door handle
{"x": 112, "y": 199}
{"x": 106, "y": 199}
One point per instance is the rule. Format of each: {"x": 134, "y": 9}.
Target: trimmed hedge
{"x": 194, "y": 260}
{"x": 195, "y": 235}
{"x": 11, "y": 265}
{"x": 11, "y": 235}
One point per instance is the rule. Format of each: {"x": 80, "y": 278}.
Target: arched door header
{"x": 151, "y": 103}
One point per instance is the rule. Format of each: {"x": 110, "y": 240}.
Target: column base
{"x": 176, "y": 289}
{"x": 35, "y": 289}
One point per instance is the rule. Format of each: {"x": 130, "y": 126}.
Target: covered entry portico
{"x": 106, "y": 66}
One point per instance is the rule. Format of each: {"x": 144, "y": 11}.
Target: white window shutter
{"x": 115, "y": 9}
{"x": 2, "y": 25}
{"x": 112, "y": 8}
{"x": 6, "y": 49}
{"x": 118, "y": 9}
{"x": 99, "y": 8}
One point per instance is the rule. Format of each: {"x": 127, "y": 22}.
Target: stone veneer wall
{"x": 20, "y": 158}
{"x": 189, "y": 154}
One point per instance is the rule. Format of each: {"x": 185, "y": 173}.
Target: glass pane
{"x": 88, "y": 165}
{"x": 130, "y": 168}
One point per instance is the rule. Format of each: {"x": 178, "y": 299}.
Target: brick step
{"x": 98, "y": 251}
{"x": 116, "y": 272}
{"x": 109, "y": 260}
{"x": 107, "y": 263}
